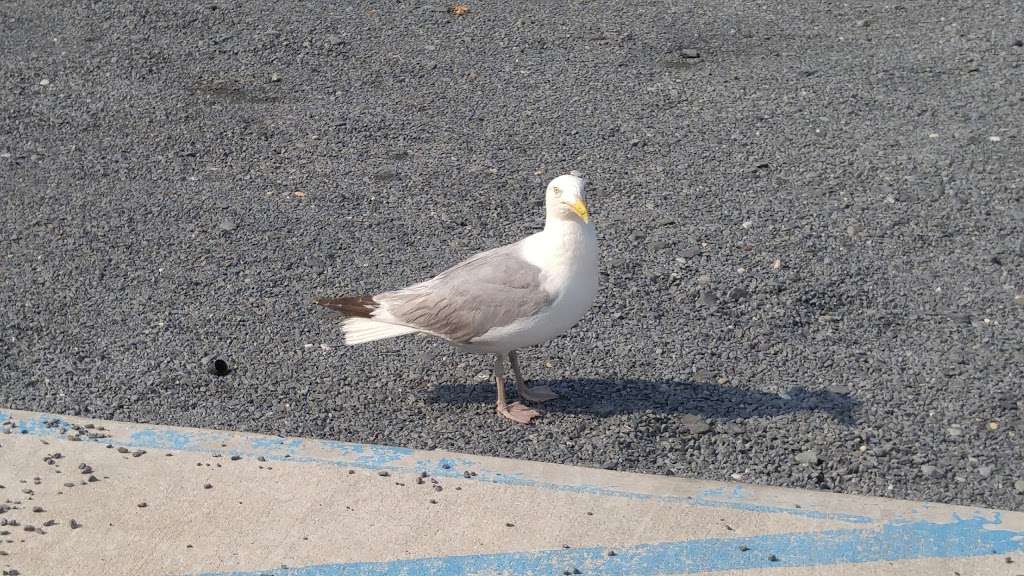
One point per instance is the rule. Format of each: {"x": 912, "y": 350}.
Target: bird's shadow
{"x": 613, "y": 397}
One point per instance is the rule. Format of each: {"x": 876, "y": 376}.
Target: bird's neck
{"x": 569, "y": 237}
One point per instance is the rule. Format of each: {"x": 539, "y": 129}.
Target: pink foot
{"x": 518, "y": 412}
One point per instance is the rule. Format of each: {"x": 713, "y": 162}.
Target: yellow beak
{"x": 580, "y": 208}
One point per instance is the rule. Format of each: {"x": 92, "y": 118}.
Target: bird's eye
{"x": 558, "y": 191}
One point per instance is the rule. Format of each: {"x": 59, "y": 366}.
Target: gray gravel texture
{"x": 811, "y": 221}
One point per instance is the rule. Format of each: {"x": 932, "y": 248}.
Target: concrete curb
{"x": 167, "y": 500}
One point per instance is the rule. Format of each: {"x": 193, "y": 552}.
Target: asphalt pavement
{"x": 811, "y": 217}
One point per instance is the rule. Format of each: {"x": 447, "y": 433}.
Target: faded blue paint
{"x": 275, "y": 443}
{"x": 367, "y": 455}
{"x": 893, "y": 542}
{"x": 167, "y": 439}
{"x": 279, "y": 449}
{"x": 33, "y": 426}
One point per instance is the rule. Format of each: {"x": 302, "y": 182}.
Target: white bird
{"x": 498, "y": 301}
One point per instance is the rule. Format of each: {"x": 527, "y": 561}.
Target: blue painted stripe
{"x": 892, "y": 542}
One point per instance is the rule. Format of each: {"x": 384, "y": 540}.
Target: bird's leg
{"x": 514, "y": 411}
{"x": 535, "y": 394}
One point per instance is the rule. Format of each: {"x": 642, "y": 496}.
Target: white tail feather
{"x": 360, "y": 330}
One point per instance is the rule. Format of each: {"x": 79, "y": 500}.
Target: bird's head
{"x": 566, "y": 198}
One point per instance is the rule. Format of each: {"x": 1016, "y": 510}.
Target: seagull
{"x": 498, "y": 301}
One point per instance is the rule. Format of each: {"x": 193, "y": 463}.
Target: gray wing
{"x": 489, "y": 290}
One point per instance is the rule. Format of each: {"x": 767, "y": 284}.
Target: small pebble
{"x": 809, "y": 457}
{"x": 236, "y": 457}
{"x": 697, "y": 425}
{"x": 74, "y": 524}
{"x": 737, "y": 293}
{"x": 773, "y": 558}
{"x": 383, "y": 473}
{"x": 141, "y": 504}
{"x": 708, "y": 298}
{"x": 689, "y": 252}
{"x": 207, "y": 486}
